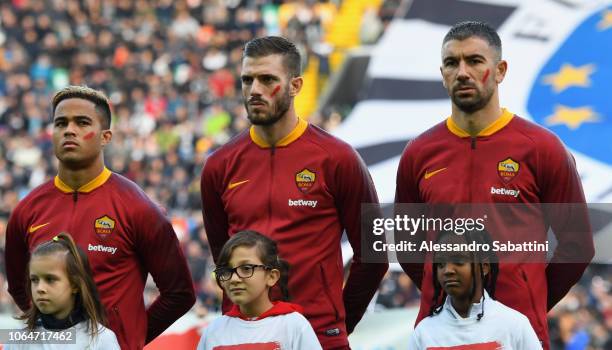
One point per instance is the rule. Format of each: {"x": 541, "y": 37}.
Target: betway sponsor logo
{"x": 505, "y": 192}
{"x": 101, "y": 248}
{"x": 302, "y": 203}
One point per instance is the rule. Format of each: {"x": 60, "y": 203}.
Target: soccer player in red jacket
{"x": 486, "y": 154}
{"x": 298, "y": 185}
{"x": 126, "y": 236}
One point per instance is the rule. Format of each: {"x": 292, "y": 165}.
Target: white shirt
{"x": 283, "y": 332}
{"x": 500, "y": 328}
{"x": 105, "y": 340}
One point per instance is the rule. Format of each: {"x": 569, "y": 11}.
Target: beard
{"x": 275, "y": 113}
{"x": 474, "y": 103}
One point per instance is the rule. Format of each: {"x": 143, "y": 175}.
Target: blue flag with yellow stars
{"x": 572, "y": 95}
{"x": 559, "y": 56}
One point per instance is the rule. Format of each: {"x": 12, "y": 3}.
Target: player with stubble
{"x": 485, "y": 154}
{"x": 297, "y": 184}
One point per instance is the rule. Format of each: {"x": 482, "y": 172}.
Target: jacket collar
{"x": 299, "y": 129}
{"x": 475, "y": 309}
{"x": 496, "y": 126}
{"x": 278, "y": 308}
{"x": 88, "y": 187}
{"x": 51, "y": 323}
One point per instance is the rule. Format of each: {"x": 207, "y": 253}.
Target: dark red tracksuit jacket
{"x": 125, "y": 236}
{"x": 302, "y": 193}
{"x": 471, "y": 168}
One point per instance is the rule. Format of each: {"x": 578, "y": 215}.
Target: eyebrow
{"x": 245, "y": 262}
{"x": 44, "y": 275}
{"x": 75, "y": 117}
{"x": 263, "y": 75}
{"x": 455, "y": 255}
{"x": 475, "y": 55}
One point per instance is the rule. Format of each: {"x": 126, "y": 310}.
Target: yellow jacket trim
{"x": 298, "y": 131}
{"x": 88, "y": 187}
{"x": 497, "y": 125}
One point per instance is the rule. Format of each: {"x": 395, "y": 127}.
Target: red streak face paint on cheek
{"x": 89, "y": 135}
{"x": 486, "y": 76}
{"x": 275, "y": 91}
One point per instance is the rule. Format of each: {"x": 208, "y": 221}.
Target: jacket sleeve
{"x": 413, "y": 344}
{"x": 106, "y": 340}
{"x": 162, "y": 257}
{"x": 215, "y": 218}
{"x": 202, "y": 344}
{"x": 407, "y": 191}
{"x": 525, "y": 337}
{"x": 16, "y": 257}
{"x": 568, "y": 216}
{"x": 304, "y": 336}
{"x": 353, "y": 187}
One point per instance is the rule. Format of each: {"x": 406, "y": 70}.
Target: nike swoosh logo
{"x": 428, "y": 174}
{"x": 236, "y": 184}
{"x": 34, "y": 228}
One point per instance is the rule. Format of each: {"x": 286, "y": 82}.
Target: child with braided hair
{"x": 464, "y": 313}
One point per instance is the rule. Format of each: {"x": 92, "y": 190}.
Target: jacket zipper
{"x": 328, "y": 292}
{"x": 75, "y": 198}
{"x": 272, "y": 152}
{"x": 530, "y": 295}
{"x": 472, "y": 150}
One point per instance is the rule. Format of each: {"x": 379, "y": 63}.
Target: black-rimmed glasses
{"x": 243, "y": 271}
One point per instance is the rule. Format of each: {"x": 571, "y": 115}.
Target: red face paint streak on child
{"x": 88, "y": 135}
{"x": 486, "y": 75}
{"x": 275, "y": 91}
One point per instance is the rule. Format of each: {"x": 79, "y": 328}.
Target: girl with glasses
{"x": 247, "y": 268}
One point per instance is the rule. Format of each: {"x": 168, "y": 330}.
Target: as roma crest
{"x": 507, "y": 169}
{"x": 104, "y": 225}
{"x": 304, "y": 180}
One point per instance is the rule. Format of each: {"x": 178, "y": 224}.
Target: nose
{"x": 448, "y": 269}
{"x": 462, "y": 72}
{"x": 235, "y": 277}
{"x": 256, "y": 88}
{"x": 70, "y": 129}
{"x": 40, "y": 288}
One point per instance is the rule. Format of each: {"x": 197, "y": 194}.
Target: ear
{"x": 295, "y": 86}
{"x": 500, "y": 71}
{"x": 443, "y": 81}
{"x": 107, "y": 136}
{"x": 272, "y": 277}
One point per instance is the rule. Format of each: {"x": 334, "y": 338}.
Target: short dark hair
{"x": 468, "y": 29}
{"x": 96, "y": 97}
{"x": 275, "y": 45}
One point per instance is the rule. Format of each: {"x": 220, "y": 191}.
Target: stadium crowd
{"x": 171, "y": 71}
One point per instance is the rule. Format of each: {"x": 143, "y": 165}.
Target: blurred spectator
{"x": 583, "y": 319}
{"x": 397, "y": 290}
